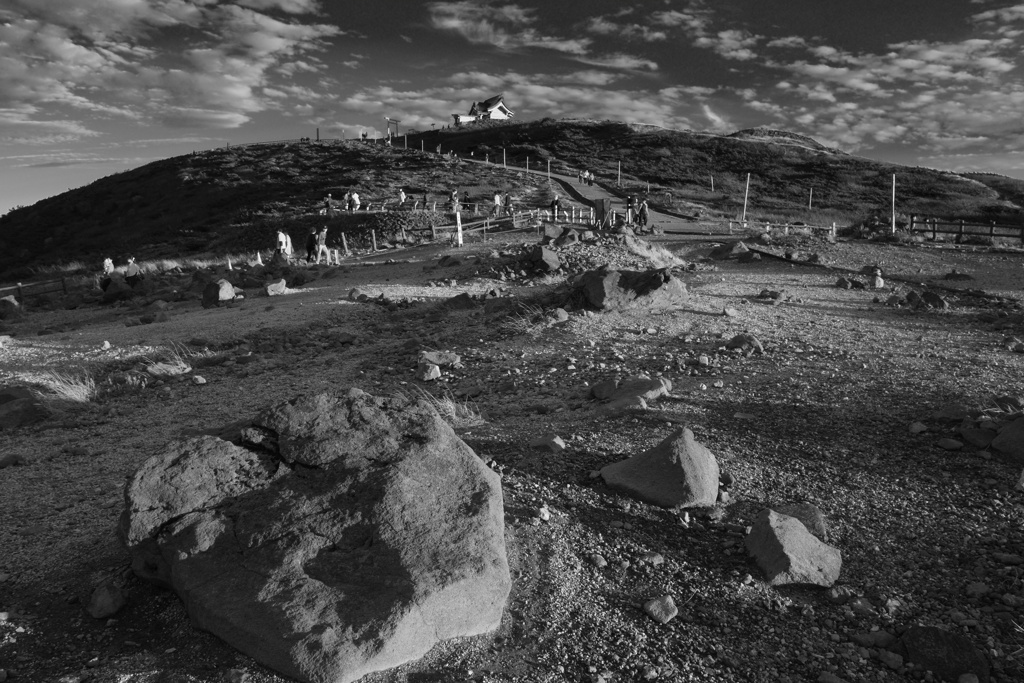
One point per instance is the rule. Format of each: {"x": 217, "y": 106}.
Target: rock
{"x": 1008, "y": 558}
{"x": 951, "y": 412}
{"x": 332, "y": 536}
{"x": 827, "y": 677}
{"x": 164, "y": 370}
{"x": 730, "y": 312}
{"x": 918, "y": 427}
{"x": 979, "y": 438}
{"x": 611, "y": 290}
{"x": 198, "y": 380}
{"x": 745, "y": 342}
{"x": 216, "y": 293}
{"x": 729, "y": 250}
{"x": 622, "y": 406}
{"x": 788, "y": 553}
{"x": 598, "y": 560}
{"x": 10, "y": 309}
{"x": 890, "y": 659}
{"x": 913, "y": 299}
{"x": 427, "y": 372}
{"x": 604, "y": 389}
{"x": 976, "y": 589}
{"x": 678, "y": 472}
{"x": 549, "y": 442}
{"x": 106, "y": 601}
{"x": 662, "y": 610}
{"x": 947, "y": 655}
{"x": 115, "y": 289}
{"x": 20, "y": 407}
{"x": 444, "y": 359}
{"x": 568, "y": 238}
{"x": 277, "y": 288}
{"x": 877, "y": 282}
{"x": 949, "y": 444}
{"x": 843, "y": 283}
{"x": 646, "y": 388}
{"x": 10, "y": 459}
{"x": 748, "y": 257}
{"x": 1010, "y": 441}
{"x": 882, "y": 639}
{"x": 934, "y": 300}
{"x": 811, "y": 516}
{"x": 544, "y": 260}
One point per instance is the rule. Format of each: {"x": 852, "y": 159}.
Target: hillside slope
{"x": 233, "y": 198}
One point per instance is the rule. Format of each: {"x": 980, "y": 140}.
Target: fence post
{"x": 913, "y": 222}
{"x": 403, "y": 235}
{"x": 373, "y": 239}
{"x": 833, "y": 229}
{"x": 344, "y": 245}
{"x": 433, "y": 233}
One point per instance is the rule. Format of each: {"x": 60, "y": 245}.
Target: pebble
{"x": 918, "y": 427}
{"x": 950, "y": 444}
{"x": 651, "y": 557}
{"x": 890, "y": 659}
{"x": 198, "y": 379}
{"x": 598, "y": 560}
{"x": 976, "y": 589}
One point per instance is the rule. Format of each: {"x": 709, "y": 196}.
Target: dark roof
{"x": 491, "y": 102}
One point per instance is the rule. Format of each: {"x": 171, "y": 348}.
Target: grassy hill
{"x": 234, "y": 198}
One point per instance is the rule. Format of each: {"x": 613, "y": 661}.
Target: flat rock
{"x": 332, "y": 536}
{"x": 662, "y": 609}
{"x": 678, "y": 472}
{"x": 789, "y": 554}
{"x": 947, "y": 655}
{"x": 645, "y": 387}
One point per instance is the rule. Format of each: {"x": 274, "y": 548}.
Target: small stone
{"x": 730, "y": 312}
{"x": 236, "y": 676}
{"x": 105, "y": 601}
{"x": 890, "y": 659}
{"x": 950, "y": 444}
{"x": 198, "y": 380}
{"x": 651, "y": 557}
{"x": 918, "y": 427}
{"x": 598, "y": 560}
{"x": 662, "y": 610}
{"x": 549, "y": 442}
{"x": 543, "y": 513}
{"x": 976, "y": 589}
{"x": 106, "y": 346}
{"x": 428, "y": 372}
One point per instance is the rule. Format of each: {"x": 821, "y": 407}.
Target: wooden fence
{"x": 962, "y": 228}
{"x": 747, "y": 226}
{"x": 21, "y": 290}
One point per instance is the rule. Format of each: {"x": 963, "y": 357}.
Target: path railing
{"x": 962, "y": 228}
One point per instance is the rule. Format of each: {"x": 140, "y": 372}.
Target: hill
{"x": 233, "y": 198}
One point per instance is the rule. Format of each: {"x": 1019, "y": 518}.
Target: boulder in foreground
{"x": 787, "y": 552}
{"x": 332, "y": 536}
{"x": 612, "y": 290}
{"x": 678, "y": 472}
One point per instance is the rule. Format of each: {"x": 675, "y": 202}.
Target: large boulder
{"x": 729, "y": 250}
{"x": 947, "y": 655}
{"x": 610, "y": 290}
{"x": 788, "y": 553}
{"x": 19, "y": 407}
{"x": 216, "y": 293}
{"x": 1010, "y": 441}
{"x": 332, "y": 536}
{"x": 544, "y": 260}
{"x": 678, "y": 472}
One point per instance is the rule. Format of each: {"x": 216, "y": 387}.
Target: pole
{"x": 344, "y": 244}
{"x": 618, "y": 181}
{"x": 549, "y": 170}
{"x": 503, "y": 158}
{"x": 712, "y": 183}
{"x": 746, "y": 194}
{"x": 458, "y": 229}
{"x": 527, "y": 164}
{"x": 810, "y": 198}
{"x": 894, "y": 203}
{"x": 405, "y": 141}
{"x": 421, "y": 144}
{"x": 318, "y": 135}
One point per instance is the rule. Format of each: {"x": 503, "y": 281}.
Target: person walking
{"x": 321, "y": 247}
{"x": 508, "y": 204}
{"x": 354, "y": 201}
{"x": 132, "y": 273}
{"x": 496, "y": 211}
{"x": 310, "y": 244}
{"x": 401, "y": 196}
{"x": 630, "y": 205}
{"x": 643, "y": 214}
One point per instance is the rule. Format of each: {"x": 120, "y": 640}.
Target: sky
{"x": 89, "y": 88}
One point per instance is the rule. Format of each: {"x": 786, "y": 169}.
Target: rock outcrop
{"x": 332, "y": 536}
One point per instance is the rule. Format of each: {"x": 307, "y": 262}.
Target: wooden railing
{"x": 21, "y": 290}
{"x": 963, "y": 229}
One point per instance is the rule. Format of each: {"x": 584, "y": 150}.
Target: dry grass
{"x": 459, "y": 413}
{"x": 527, "y": 319}
{"x": 659, "y": 256}
{"x": 68, "y": 387}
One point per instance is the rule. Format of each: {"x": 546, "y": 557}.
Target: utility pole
{"x": 810, "y": 198}
{"x": 746, "y": 194}
{"x": 618, "y": 181}
{"x": 894, "y": 203}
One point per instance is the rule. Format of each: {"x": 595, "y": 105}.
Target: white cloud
{"x": 620, "y": 61}
{"x": 506, "y": 27}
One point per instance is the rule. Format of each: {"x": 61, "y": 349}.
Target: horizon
{"x": 108, "y": 86}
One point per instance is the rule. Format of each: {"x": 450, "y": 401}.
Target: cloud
{"x": 506, "y": 27}
{"x": 620, "y": 61}
{"x": 603, "y": 26}
{"x": 98, "y": 57}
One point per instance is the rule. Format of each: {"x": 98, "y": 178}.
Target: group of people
{"x": 316, "y": 243}
{"x": 637, "y": 211}
{"x": 585, "y": 177}
{"x": 502, "y": 204}
{"x": 350, "y": 202}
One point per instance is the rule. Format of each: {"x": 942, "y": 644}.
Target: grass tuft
{"x": 458, "y": 413}
{"x": 67, "y": 387}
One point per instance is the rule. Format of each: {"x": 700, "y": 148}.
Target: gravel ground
{"x": 822, "y": 416}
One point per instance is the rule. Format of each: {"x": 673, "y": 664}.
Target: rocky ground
{"x": 928, "y": 535}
